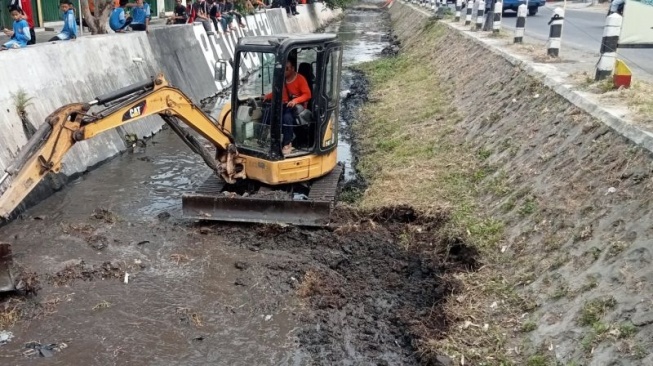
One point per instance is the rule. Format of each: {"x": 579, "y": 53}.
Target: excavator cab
{"x": 298, "y": 187}
{"x": 257, "y": 125}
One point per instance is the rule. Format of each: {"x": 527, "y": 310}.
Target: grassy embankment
{"x": 412, "y": 152}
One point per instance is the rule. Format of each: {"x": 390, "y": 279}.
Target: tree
{"x": 96, "y": 20}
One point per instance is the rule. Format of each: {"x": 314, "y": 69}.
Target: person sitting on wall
{"x": 179, "y": 16}
{"x": 230, "y": 11}
{"x": 215, "y": 13}
{"x": 190, "y": 10}
{"x": 140, "y": 16}
{"x": 201, "y": 9}
{"x": 118, "y": 21}
{"x": 26, "y": 7}
{"x": 20, "y": 34}
{"x": 69, "y": 30}
{"x": 295, "y": 92}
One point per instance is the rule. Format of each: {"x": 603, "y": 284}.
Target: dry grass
{"x": 639, "y": 97}
{"x": 102, "y": 305}
{"x": 309, "y": 285}
{"x": 10, "y": 312}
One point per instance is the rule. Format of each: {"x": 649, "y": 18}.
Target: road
{"x": 582, "y": 30}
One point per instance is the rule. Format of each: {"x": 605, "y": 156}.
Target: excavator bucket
{"x": 6, "y": 262}
{"x": 212, "y": 201}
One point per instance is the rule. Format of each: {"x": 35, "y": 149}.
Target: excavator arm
{"x": 74, "y": 122}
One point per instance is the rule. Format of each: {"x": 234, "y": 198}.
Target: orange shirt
{"x": 298, "y": 87}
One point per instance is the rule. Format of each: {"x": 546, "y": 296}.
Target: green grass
{"x": 593, "y": 310}
{"x": 528, "y": 326}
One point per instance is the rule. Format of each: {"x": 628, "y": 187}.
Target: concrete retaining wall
{"x": 55, "y": 74}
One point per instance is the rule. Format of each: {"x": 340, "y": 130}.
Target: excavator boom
{"x": 73, "y": 123}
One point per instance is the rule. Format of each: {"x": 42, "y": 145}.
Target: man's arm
{"x": 71, "y": 24}
{"x": 24, "y": 34}
{"x": 147, "y": 18}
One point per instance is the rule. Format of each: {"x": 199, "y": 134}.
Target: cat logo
{"x": 135, "y": 111}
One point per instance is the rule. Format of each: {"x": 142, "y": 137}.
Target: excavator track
{"x": 210, "y": 201}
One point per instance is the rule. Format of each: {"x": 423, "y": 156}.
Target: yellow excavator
{"x": 253, "y": 181}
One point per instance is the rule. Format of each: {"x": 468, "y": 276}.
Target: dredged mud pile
{"x": 367, "y": 290}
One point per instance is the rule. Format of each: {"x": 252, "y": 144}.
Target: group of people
{"x": 222, "y": 12}
{"x": 22, "y": 32}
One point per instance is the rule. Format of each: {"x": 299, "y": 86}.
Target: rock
{"x": 241, "y": 265}
{"x": 642, "y": 319}
{"x": 205, "y": 230}
{"x": 443, "y": 361}
{"x": 5, "y": 337}
{"x": 240, "y": 282}
{"x": 163, "y": 215}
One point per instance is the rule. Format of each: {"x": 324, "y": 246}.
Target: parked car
{"x": 533, "y": 5}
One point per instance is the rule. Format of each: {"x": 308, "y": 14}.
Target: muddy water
{"x": 192, "y": 297}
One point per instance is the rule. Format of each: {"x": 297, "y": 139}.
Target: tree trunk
{"x": 97, "y": 23}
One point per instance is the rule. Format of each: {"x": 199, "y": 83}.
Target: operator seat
{"x": 306, "y": 70}
{"x": 304, "y": 133}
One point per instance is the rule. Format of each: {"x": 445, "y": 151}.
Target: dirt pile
{"x": 373, "y": 288}
{"x": 84, "y": 272}
{"x": 572, "y": 196}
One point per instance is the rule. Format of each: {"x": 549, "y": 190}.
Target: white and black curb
{"x": 468, "y": 13}
{"x": 498, "y": 10}
{"x": 609, "y": 45}
{"x": 555, "y": 32}
{"x": 459, "y": 6}
{"x": 480, "y": 12}
{"x": 522, "y": 12}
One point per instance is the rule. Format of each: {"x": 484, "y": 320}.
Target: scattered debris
{"x": 241, "y": 265}
{"x": 268, "y": 318}
{"x": 179, "y": 258}
{"x": 105, "y": 215}
{"x": 5, "y": 337}
{"x": 79, "y": 229}
{"x": 102, "y": 305}
{"x": 163, "y": 215}
{"x": 84, "y": 272}
{"x": 43, "y": 350}
{"x": 187, "y": 316}
{"x": 126, "y": 280}
{"x": 98, "y": 242}
{"x": 27, "y": 282}
{"x": 240, "y": 282}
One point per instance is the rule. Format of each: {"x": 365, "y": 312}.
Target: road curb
{"x": 620, "y": 125}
